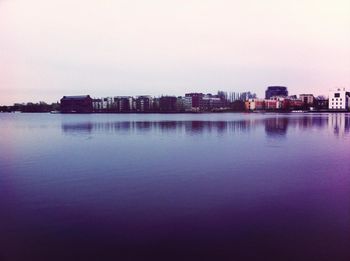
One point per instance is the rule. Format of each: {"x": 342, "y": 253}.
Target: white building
{"x": 339, "y": 99}
{"x": 107, "y": 103}
{"x": 97, "y": 104}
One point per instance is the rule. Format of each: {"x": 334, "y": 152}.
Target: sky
{"x": 169, "y": 47}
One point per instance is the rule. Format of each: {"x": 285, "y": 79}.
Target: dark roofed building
{"x": 279, "y": 91}
{"x": 76, "y": 104}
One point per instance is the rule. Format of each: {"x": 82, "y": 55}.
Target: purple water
{"x": 175, "y": 187}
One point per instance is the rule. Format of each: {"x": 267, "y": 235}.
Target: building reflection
{"x": 187, "y": 127}
{"x": 339, "y": 124}
{"x": 278, "y": 126}
{"x": 83, "y": 127}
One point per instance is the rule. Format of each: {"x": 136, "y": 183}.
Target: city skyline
{"x": 51, "y": 49}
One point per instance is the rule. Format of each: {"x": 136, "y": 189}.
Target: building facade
{"x": 308, "y": 99}
{"x": 255, "y": 104}
{"x": 168, "y": 104}
{"x": 272, "y": 91}
{"x": 184, "y": 104}
{"x": 76, "y": 104}
{"x": 143, "y": 103}
{"x": 196, "y": 99}
{"x": 123, "y": 104}
{"x": 339, "y": 99}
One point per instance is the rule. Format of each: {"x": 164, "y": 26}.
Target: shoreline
{"x": 204, "y": 112}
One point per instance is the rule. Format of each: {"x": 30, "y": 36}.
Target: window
{"x": 336, "y": 95}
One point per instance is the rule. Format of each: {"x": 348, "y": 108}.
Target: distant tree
{"x": 4, "y": 109}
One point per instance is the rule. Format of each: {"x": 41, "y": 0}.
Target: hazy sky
{"x": 117, "y": 47}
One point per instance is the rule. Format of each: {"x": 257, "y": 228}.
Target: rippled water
{"x": 175, "y": 187}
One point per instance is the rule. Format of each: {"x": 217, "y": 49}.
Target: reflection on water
{"x": 164, "y": 126}
{"x": 339, "y": 124}
{"x": 175, "y": 187}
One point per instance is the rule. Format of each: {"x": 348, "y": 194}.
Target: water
{"x": 175, "y": 187}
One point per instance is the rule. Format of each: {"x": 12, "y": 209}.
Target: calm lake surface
{"x": 175, "y": 187}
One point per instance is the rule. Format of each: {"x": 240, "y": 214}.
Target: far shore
{"x": 204, "y": 112}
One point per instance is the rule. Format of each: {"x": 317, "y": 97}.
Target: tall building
{"x": 143, "y": 103}
{"x": 272, "y": 91}
{"x": 339, "y": 99}
{"x": 123, "y": 103}
{"x": 184, "y": 104}
{"x": 168, "y": 104}
{"x": 97, "y": 105}
{"x": 196, "y": 100}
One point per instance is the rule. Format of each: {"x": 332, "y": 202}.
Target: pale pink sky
{"x": 117, "y": 47}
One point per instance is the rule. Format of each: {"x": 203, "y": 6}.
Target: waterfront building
{"x": 339, "y": 99}
{"x": 321, "y": 103}
{"x": 271, "y": 104}
{"x": 255, "y": 104}
{"x": 97, "y": 105}
{"x": 167, "y": 104}
{"x": 184, "y": 104}
{"x": 282, "y": 103}
{"x": 155, "y": 104}
{"x": 211, "y": 102}
{"x": 107, "y": 103}
{"x": 308, "y": 99}
{"x": 295, "y": 104}
{"x": 272, "y": 91}
{"x": 78, "y": 104}
{"x": 196, "y": 99}
{"x": 143, "y": 103}
{"x": 123, "y": 104}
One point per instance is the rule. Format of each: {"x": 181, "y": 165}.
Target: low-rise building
{"x": 321, "y": 103}
{"x": 211, "y": 102}
{"x": 271, "y": 104}
{"x": 76, "y": 104}
{"x": 295, "y": 104}
{"x": 255, "y": 104}
{"x": 308, "y": 99}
